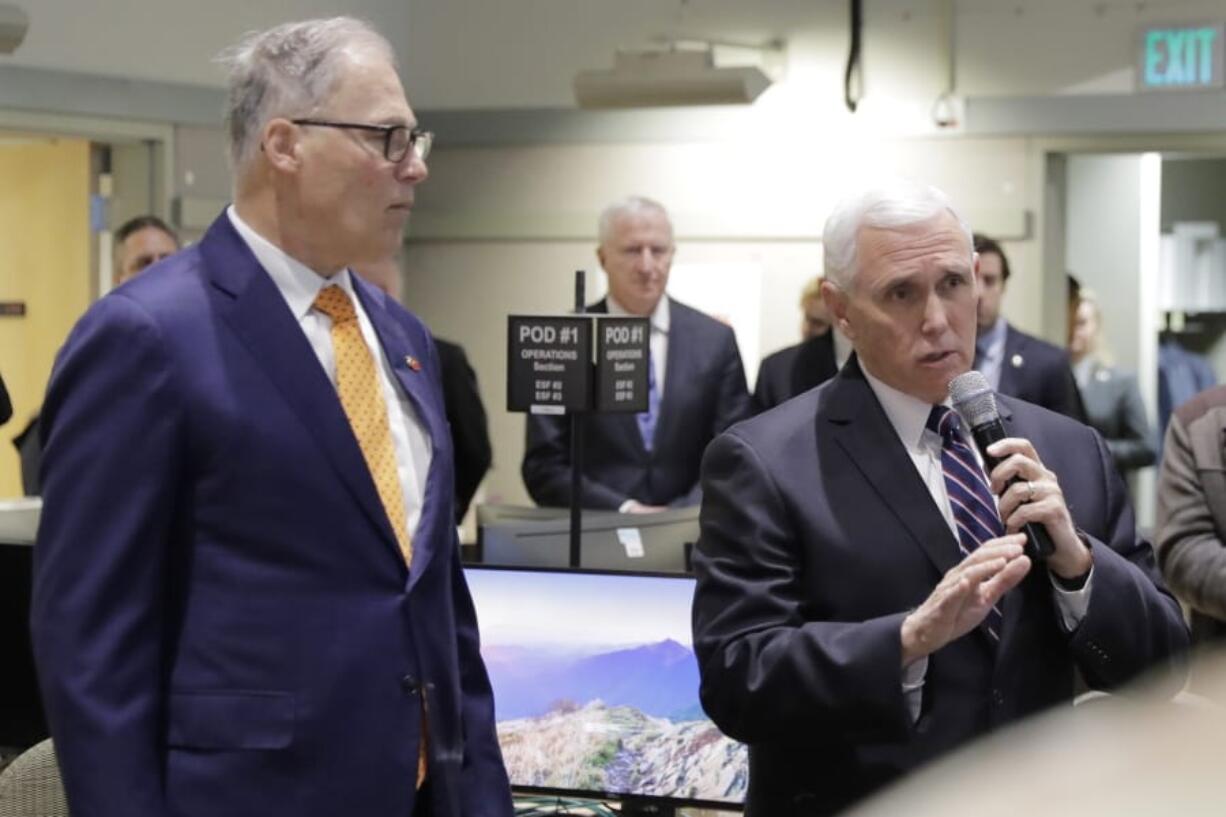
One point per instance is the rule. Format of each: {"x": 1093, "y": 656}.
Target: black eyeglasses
{"x": 397, "y": 139}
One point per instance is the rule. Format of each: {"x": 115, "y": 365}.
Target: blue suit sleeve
{"x": 485, "y": 789}
{"x": 112, "y": 429}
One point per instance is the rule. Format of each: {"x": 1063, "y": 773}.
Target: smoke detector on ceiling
{"x": 668, "y": 77}
{"x": 14, "y": 23}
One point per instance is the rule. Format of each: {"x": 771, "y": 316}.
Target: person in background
{"x": 696, "y": 386}
{"x": 795, "y": 369}
{"x": 470, "y": 435}
{"x": 1112, "y": 398}
{"x": 863, "y": 600}
{"x": 815, "y": 317}
{"x": 140, "y": 242}
{"x": 1015, "y": 363}
{"x": 1190, "y": 528}
{"x": 248, "y": 597}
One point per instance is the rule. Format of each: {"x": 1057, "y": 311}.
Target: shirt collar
{"x": 297, "y": 282}
{"x": 659, "y": 318}
{"x": 993, "y": 339}
{"x": 908, "y": 415}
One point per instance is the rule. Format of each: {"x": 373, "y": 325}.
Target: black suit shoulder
{"x": 794, "y": 370}
{"x": 470, "y": 435}
{"x": 1039, "y": 372}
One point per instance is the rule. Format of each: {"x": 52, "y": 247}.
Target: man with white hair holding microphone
{"x": 865, "y": 597}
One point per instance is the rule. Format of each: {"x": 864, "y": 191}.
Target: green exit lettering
{"x": 1179, "y": 57}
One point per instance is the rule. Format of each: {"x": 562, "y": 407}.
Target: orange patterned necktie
{"x": 357, "y": 382}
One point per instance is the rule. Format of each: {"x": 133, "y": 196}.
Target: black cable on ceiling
{"x": 853, "y": 77}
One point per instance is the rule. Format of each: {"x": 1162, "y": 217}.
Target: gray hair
{"x": 629, "y": 206}
{"x": 288, "y": 70}
{"x": 891, "y": 205}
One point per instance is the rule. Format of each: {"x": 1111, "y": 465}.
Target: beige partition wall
{"x": 45, "y": 265}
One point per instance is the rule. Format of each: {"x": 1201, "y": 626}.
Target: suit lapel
{"x": 411, "y": 365}
{"x": 862, "y": 429}
{"x": 1011, "y": 375}
{"x": 256, "y": 312}
{"x": 1012, "y": 604}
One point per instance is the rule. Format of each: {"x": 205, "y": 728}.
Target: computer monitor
{"x": 596, "y": 689}
{"x": 656, "y": 542}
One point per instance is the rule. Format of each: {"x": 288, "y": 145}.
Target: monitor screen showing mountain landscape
{"x": 596, "y": 686}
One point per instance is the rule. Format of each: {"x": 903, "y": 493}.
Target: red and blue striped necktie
{"x": 973, "y": 505}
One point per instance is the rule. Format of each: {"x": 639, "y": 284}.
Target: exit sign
{"x": 1180, "y": 58}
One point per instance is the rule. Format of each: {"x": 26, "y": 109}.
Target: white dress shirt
{"x": 909, "y": 417}
{"x": 299, "y": 285}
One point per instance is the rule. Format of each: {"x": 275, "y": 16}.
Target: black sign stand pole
{"x": 576, "y": 445}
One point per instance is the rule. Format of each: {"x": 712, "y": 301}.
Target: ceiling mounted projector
{"x": 13, "y": 25}
{"x": 641, "y": 79}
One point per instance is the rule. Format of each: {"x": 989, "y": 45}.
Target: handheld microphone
{"x": 975, "y": 403}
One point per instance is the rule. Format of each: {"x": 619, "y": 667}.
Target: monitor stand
{"x": 634, "y": 807}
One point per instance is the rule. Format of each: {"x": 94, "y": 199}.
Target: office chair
{"x": 30, "y": 785}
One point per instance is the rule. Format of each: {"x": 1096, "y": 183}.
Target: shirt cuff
{"x": 913, "y": 686}
{"x": 1072, "y": 604}
{"x": 625, "y": 506}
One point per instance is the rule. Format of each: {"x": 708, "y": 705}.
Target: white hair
{"x": 629, "y": 206}
{"x": 894, "y": 204}
{"x": 288, "y": 70}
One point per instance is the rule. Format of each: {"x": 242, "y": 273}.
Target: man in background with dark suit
{"x": 813, "y": 361}
{"x": 1015, "y": 363}
{"x": 645, "y": 462}
{"x": 470, "y": 435}
{"x": 248, "y": 597}
{"x": 864, "y": 603}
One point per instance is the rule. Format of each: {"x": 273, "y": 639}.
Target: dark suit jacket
{"x": 794, "y": 370}
{"x": 704, "y": 393}
{"x": 470, "y": 433}
{"x": 222, "y": 620}
{"x": 817, "y": 538}
{"x": 1114, "y": 407}
{"x": 1038, "y": 372}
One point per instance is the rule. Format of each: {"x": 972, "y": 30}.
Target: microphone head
{"x": 973, "y": 399}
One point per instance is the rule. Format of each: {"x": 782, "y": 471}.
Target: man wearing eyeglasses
{"x": 248, "y": 597}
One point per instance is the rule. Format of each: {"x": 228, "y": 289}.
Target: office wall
{"x": 500, "y": 231}
{"x": 44, "y": 264}
{"x": 475, "y": 54}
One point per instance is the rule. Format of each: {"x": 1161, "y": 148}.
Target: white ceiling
{"x": 522, "y": 53}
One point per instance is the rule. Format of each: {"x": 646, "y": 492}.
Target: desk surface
{"x": 19, "y": 520}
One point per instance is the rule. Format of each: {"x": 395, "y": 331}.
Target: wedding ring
{"x": 1030, "y": 488}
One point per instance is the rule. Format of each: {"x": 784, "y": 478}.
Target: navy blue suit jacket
{"x": 794, "y": 370}
{"x": 817, "y": 538}
{"x": 222, "y": 620}
{"x": 1038, "y": 372}
{"x": 704, "y": 393}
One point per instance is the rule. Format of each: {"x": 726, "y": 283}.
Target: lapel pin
{"x": 413, "y": 363}
{"x": 1017, "y": 361}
